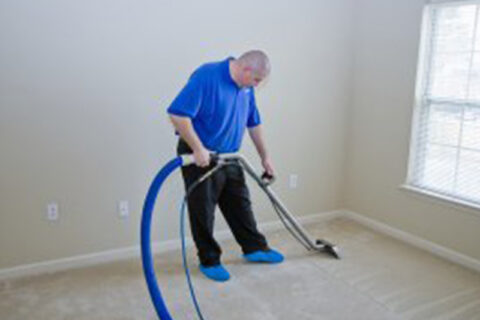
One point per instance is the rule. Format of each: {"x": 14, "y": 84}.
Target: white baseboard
{"x": 132, "y": 252}
{"x": 416, "y": 241}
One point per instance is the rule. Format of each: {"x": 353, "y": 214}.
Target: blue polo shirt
{"x": 220, "y": 110}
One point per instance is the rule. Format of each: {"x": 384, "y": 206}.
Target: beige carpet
{"x": 379, "y": 278}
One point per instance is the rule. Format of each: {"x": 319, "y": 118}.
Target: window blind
{"x": 445, "y": 157}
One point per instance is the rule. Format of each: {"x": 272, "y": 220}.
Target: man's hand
{"x": 268, "y": 166}
{"x": 202, "y": 157}
{"x": 184, "y": 126}
{"x": 256, "y": 134}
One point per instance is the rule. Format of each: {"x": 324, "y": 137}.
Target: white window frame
{"x": 424, "y": 60}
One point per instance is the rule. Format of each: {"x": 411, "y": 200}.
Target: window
{"x": 445, "y": 148}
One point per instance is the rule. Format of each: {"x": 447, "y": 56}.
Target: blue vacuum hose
{"x": 147, "y": 260}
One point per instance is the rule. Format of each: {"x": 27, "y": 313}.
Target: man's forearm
{"x": 256, "y": 134}
{"x": 185, "y": 128}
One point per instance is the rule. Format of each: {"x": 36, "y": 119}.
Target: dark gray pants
{"x": 227, "y": 188}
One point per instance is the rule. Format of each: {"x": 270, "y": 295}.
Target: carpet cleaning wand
{"x": 264, "y": 182}
{"x": 220, "y": 160}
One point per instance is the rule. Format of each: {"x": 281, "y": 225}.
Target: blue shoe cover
{"x": 269, "y": 256}
{"x": 216, "y": 273}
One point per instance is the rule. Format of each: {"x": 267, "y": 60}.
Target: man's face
{"x": 250, "y": 78}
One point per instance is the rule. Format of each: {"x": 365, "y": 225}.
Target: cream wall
{"x": 84, "y": 86}
{"x": 387, "y": 34}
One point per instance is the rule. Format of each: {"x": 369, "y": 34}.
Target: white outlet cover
{"x": 293, "y": 181}
{"x": 123, "y": 209}
{"x": 52, "y": 211}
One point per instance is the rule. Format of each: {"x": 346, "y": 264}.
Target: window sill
{"x": 456, "y": 203}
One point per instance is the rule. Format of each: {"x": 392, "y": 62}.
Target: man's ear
{"x": 247, "y": 69}
{"x": 248, "y": 72}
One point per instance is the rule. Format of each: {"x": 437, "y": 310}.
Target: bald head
{"x": 257, "y": 61}
{"x": 250, "y": 68}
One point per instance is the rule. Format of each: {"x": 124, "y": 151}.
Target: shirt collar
{"x": 227, "y": 74}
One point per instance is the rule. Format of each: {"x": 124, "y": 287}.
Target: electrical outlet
{"x": 123, "y": 209}
{"x": 52, "y": 211}
{"x": 293, "y": 181}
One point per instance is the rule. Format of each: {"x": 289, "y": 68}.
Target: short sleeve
{"x": 253, "y": 114}
{"x": 188, "y": 101}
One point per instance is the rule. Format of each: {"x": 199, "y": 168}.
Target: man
{"x": 211, "y": 114}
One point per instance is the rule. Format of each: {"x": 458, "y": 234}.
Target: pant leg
{"x": 235, "y": 204}
{"x": 201, "y": 208}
